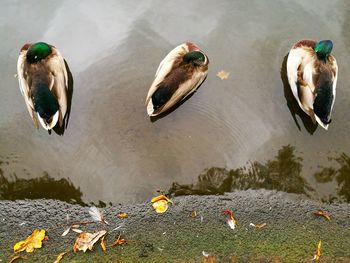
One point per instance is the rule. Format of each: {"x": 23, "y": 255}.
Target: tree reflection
{"x": 341, "y": 175}
{"x": 283, "y": 173}
{"x": 36, "y": 188}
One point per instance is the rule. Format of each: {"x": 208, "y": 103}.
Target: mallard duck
{"x": 312, "y": 74}
{"x": 179, "y": 74}
{"x": 43, "y": 82}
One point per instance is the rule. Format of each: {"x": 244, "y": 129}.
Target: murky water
{"x": 111, "y": 151}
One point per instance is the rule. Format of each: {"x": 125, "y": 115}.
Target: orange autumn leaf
{"x": 323, "y": 214}
{"x": 32, "y": 242}
{"x": 318, "y": 252}
{"x": 120, "y": 242}
{"x": 230, "y": 221}
{"x": 122, "y": 215}
{"x": 59, "y": 257}
{"x": 87, "y": 240}
{"x": 222, "y": 74}
{"x": 16, "y": 258}
{"x": 160, "y": 203}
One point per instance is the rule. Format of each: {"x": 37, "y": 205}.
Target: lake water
{"x": 111, "y": 151}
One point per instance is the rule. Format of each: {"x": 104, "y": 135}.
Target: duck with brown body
{"x": 312, "y": 75}
{"x": 43, "y": 82}
{"x": 179, "y": 74}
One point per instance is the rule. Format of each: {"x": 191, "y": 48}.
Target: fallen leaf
{"x": 205, "y": 254}
{"x": 160, "y": 203}
{"x": 32, "y": 242}
{"x": 161, "y": 197}
{"x": 76, "y": 230}
{"x": 122, "y": 215}
{"x": 222, "y": 74}
{"x": 194, "y": 214}
{"x": 119, "y": 241}
{"x": 97, "y": 215}
{"x": 87, "y": 240}
{"x": 66, "y": 232}
{"x": 230, "y": 221}
{"x": 323, "y": 214}
{"x": 317, "y": 252}
{"x": 59, "y": 257}
{"x": 103, "y": 244}
{"x": 16, "y": 258}
{"x": 258, "y": 226}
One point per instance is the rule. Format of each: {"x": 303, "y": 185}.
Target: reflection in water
{"x": 282, "y": 173}
{"x": 341, "y": 175}
{"x": 60, "y": 130}
{"x": 292, "y": 104}
{"x": 40, "y": 187}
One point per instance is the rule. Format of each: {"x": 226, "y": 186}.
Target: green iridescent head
{"x": 323, "y": 48}
{"x": 196, "y": 57}
{"x": 38, "y": 51}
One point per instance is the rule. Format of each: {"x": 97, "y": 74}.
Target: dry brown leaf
{"x": 222, "y": 74}
{"x": 87, "y": 240}
{"x": 32, "y": 242}
{"x": 323, "y": 214}
{"x": 122, "y": 215}
{"x": 230, "y": 221}
{"x": 103, "y": 244}
{"x": 16, "y": 258}
{"x": 59, "y": 257}
{"x": 317, "y": 252}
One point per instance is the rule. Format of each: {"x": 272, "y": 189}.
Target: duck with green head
{"x": 179, "y": 74}
{"x": 312, "y": 74}
{"x": 43, "y": 82}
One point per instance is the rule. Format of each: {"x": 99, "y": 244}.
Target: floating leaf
{"x": 97, "y": 215}
{"x": 222, "y": 74}
{"x": 59, "y": 257}
{"x": 160, "y": 203}
{"x": 258, "y": 226}
{"x": 323, "y": 214}
{"x": 317, "y": 252}
{"x": 122, "y": 215}
{"x": 103, "y": 244}
{"x": 32, "y": 242}
{"x": 16, "y": 258}
{"x": 230, "y": 221}
{"x": 87, "y": 240}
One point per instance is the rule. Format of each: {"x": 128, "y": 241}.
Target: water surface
{"x": 111, "y": 151}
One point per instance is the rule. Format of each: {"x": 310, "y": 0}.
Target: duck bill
{"x": 48, "y": 126}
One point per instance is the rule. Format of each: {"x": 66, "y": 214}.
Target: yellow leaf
{"x": 194, "y": 214}
{"x": 16, "y": 258}
{"x": 223, "y": 74}
{"x": 160, "y": 203}
{"x": 323, "y": 214}
{"x": 258, "y": 226}
{"x": 161, "y": 197}
{"x": 59, "y": 257}
{"x": 160, "y": 206}
{"x": 318, "y": 252}
{"x": 32, "y": 242}
{"x": 122, "y": 215}
{"x": 103, "y": 244}
{"x": 87, "y": 240}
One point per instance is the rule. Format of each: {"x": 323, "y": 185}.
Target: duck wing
{"x": 59, "y": 84}
{"x": 24, "y": 87}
